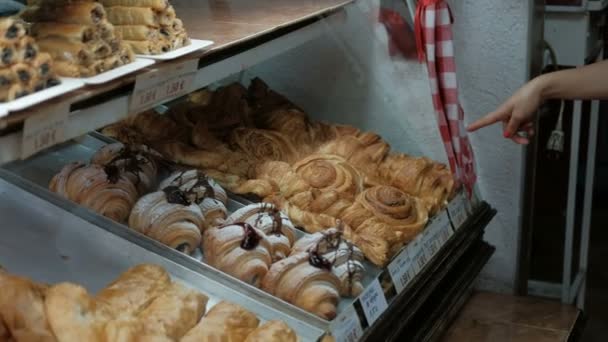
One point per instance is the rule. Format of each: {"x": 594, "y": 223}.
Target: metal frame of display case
{"x": 95, "y": 107}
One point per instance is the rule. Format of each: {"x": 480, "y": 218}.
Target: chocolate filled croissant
{"x": 168, "y": 217}
{"x": 22, "y": 313}
{"x": 305, "y": 280}
{"x": 224, "y": 322}
{"x": 383, "y": 219}
{"x": 346, "y": 259}
{"x": 138, "y": 163}
{"x": 272, "y": 331}
{"x": 108, "y": 193}
{"x": 204, "y": 191}
{"x": 266, "y": 217}
{"x": 239, "y": 250}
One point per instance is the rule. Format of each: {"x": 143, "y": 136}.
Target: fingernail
{"x": 506, "y": 134}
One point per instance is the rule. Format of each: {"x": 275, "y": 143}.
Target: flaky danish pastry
{"x": 382, "y": 219}
{"x": 263, "y": 145}
{"x": 224, "y": 322}
{"x": 203, "y": 191}
{"x": 266, "y": 217}
{"x": 133, "y": 290}
{"x": 239, "y": 250}
{"x": 169, "y": 217}
{"x": 273, "y": 331}
{"x": 22, "y": 311}
{"x": 92, "y": 186}
{"x": 136, "y": 162}
{"x": 305, "y": 280}
{"x": 345, "y": 258}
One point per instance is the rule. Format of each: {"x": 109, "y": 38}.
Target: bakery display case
{"x": 220, "y": 169}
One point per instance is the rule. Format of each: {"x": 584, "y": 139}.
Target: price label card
{"x": 45, "y": 129}
{"x": 445, "y": 228}
{"x": 435, "y": 235}
{"x": 419, "y": 257}
{"x": 347, "y": 328}
{"x": 373, "y": 302}
{"x": 402, "y": 270}
{"x": 458, "y": 210}
{"x": 162, "y": 84}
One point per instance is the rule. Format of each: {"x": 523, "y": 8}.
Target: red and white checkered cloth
{"x": 435, "y": 46}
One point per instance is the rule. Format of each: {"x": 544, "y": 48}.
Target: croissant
{"x": 383, "y": 219}
{"x": 279, "y": 230}
{"x": 239, "y": 250}
{"x": 168, "y": 217}
{"x": 264, "y": 100}
{"x": 108, "y": 193}
{"x": 173, "y": 313}
{"x": 292, "y": 123}
{"x": 74, "y": 315}
{"x": 22, "y": 314}
{"x": 346, "y": 259}
{"x": 305, "y": 280}
{"x": 283, "y": 177}
{"x": 134, "y": 290}
{"x": 138, "y": 163}
{"x": 419, "y": 177}
{"x": 224, "y": 322}
{"x": 272, "y": 331}
{"x": 307, "y": 220}
{"x": 205, "y": 192}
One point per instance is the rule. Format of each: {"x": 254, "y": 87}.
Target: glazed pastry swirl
{"x": 239, "y": 250}
{"x": 173, "y": 223}
{"x": 263, "y": 145}
{"x": 312, "y": 288}
{"x": 204, "y": 191}
{"x": 381, "y": 220}
{"x": 346, "y": 259}
{"x": 112, "y": 196}
{"x": 279, "y": 230}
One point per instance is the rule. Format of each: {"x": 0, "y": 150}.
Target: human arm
{"x": 519, "y": 111}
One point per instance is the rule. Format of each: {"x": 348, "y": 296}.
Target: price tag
{"x": 373, "y": 301}
{"x": 419, "y": 257}
{"x": 402, "y": 270}
{"x": 435, "y": 235}
{"x": 162, "y": 84}
{"x": 445, "y": 230}
{"x": 347, "y": 328}
{"x": 45, "y": 129}
{"x": 458, "y": 210}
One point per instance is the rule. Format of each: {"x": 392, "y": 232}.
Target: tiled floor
{"x": 501, "y": 318}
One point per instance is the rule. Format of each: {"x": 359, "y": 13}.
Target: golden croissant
{"x": 239, "y": 250}
{"x": 346, "y": 259}
{"x": 272, "y": 331}
{"x": 263, "y": 145}
{"x": 168, "y": 217}
{"x": 108, "y": 192}
{"x": 383, "y": 219}
{"x": 204, "y": 191}
{"x": 138, "y": 163}
{"x": 305, "y": 280}
{"x": 224, "y": 322}
{"x": 266, "y": 217}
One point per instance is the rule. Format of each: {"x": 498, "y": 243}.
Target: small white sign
{"x": 347, "y": 328}
{"x": 373, "y": 302}
{"x": 158, "y": 86}
{"x": 458, "y": 210}
{"x": 445, "y": 230}
{"x": 402, "y": 270}
{"x": 419, "y": 257}
{"x": 434, "y": 237}
{"x": 45, "y": 129}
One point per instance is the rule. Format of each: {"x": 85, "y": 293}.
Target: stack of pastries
{"x": 150, "y": 27}
{"x": 23, "y": 69}
{"x": 253, "y": 141}
{"x": 257, "y": 244}
{"x": 143, "y": 304}
{"x": 77, "y": 35}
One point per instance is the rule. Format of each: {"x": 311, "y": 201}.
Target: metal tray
{"x": 48, "y": 244}
{"x": 34, "y": 175}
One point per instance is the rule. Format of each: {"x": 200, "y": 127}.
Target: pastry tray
{"x": 48, "y": 244}
{"x": 354, "y": 315}
{"x": 104, "y": 77}
{"x": 66, "y": 86}
{"x": 195, "y": 45}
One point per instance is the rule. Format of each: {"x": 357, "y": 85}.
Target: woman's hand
{"x": 517, "y": 113}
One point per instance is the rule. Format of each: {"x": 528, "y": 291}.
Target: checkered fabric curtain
{"x": 433, "y": 28}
